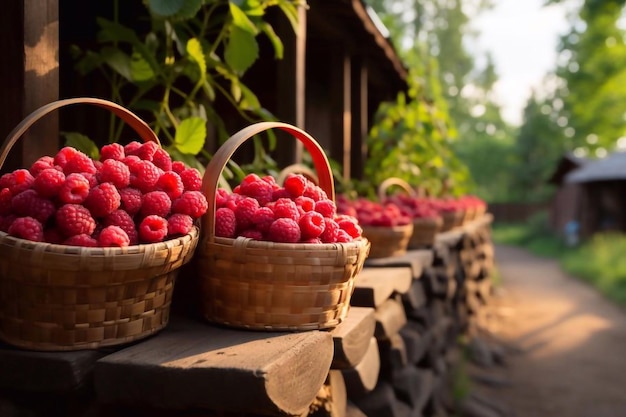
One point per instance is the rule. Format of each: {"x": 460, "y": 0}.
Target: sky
{"x": 522, "y": 37}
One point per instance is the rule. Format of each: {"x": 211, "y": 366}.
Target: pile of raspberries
{"x": 133, "y": 194}
{"x": 299, "y": 211}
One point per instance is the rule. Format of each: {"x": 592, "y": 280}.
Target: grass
{"x": 600, "y": 261}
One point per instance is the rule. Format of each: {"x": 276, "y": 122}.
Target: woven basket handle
{"x": 139, "y": 126}
{"x": 224, "y": 153}
{"x": 382, "y": 188}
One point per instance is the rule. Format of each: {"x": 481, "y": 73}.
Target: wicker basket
{"x": 274, "y": 286}
{"x": 388, "y": 241}
{"x": 424, "y": 232}
{"x": 62, "y": 298}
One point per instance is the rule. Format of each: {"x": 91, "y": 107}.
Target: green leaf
{"x": 208, "y": 90}
{"x": 190, "y": 135}
{"x": 250, "y": 100}
{"x": 190, "y": 9}
{"x": 194, "y": 49}
{"x": 82, "y": 143}
{"x": 241, "y": 51}
{"x": 274, "y": 39}
{"x": 118, "y": 61}
{"x": 165, "y": 8}
{"x": 140, "y": 68}
{"x": 240, "y": 19}
{"x": 291, "y": 11}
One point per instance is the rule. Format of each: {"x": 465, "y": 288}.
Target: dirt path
{"x": 562, "y": 345}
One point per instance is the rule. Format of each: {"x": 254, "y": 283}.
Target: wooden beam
{"x": 360, "y": 126}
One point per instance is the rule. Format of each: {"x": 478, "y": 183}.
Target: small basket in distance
{"x": 262, "y": 285}
{"x": 60, "y": 298}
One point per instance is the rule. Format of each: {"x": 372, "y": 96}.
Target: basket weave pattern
{"x": 61, "y": 298}
{"x": 388, "y": 241}
{"x": 424, "y": 232}
{"x": 263, "y": 285}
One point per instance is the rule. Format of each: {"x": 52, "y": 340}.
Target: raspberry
{"x": 113, "y": 236}
{"x": 178, "y": 166}
{"x": 5, "y": 202}
{"x": 28, "y": 203}
{"x": 91, "y": 178}
{"x": 79, "y": 163}
{"x": 252, "y": 234}
{"x": 112, "y": 151}
{"x": 350, "y": 225}
{"x": 192, "y": 179}
{"x": 271, "y": 181}
{"x": 6, "y": 222}
{"x": 171, "y": 183}
{"x": 179, "y": 224}
{"x": 49, "y": 182}
{"x": 284, "y": 230}
{"x": 115, "y": 172}
{"x": 53, "y": 235}
{"x": 162, "y": 159}
{"x": 132, "y": 147}
{"x": 81, "y": 240}
{"x": 326, "y": 207}
{"x": 192, "y": 203}
{"x": 315, "y": 240}
{"x": 263, "y": 218}
{"x": 244, "y": 213}
{"x": 156, "y": 202}
{"x": 295, "y": 184}
{"x": 74, "y": 219}
{"x": 74, "y": 190}
{"x": 279, "y": 193}
{"x": 124, "y": 221}
{"x": 285, "y": 207}
{"x": 306, "y": 203}
{"x": 144, "y": 175}
{"x": 131, "y": 200}
{"x": 18, "y": 181}
{"x": 311, "y": 225}
{"x": 225, "y": 222}
{"x": 45, "y": 162}
{"x": 103, "y": 199}
{"x": 222, "y": 196}
{"x": 64, "y": 155}
{"x": 26, "y": 228}
{"x": 255, "y": 187}
{"x": 152, "y": 229}
{"x": 329, "y": 235}
{"x": 130, "y": 160}
{"x": 343, "y": 236}
{"x": 146, "y": 151}
{"x": 314, "y": 191}
{"x": 5, "y": 180}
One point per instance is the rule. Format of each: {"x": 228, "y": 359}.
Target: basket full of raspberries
{"x": 90, "y": 248}
{"x": 277, "y": 256}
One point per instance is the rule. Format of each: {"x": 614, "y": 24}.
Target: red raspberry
{"x": 53, "y": 235}
{"x": 64, "y": 155}
{"x": 131, "y": 148}
{"x": 329, "y": 235}
{"x": 271, "y": 181}
{"x": 113, "y": 236}
{"x": 124, "y": 221}
{"x": 79, "y": 163}
{"x": 192, "y": 203}
{"x": 295, "y": 184}
{"x": 314, "y": 191}
{"x": 312, "y": 225}
{"x": 284, "y": 230}
{"x": 17, "y": 181}
{"x": 6, "y": 222}
{"x": 115, "y": 172}
{"x": 221, "y": 197}
{"x": 49, "y": 182}
{"x": 252, "y": 234}
{"x": 156, "y": 202}
{"x": 112, "y": 151}
{"x": 74, "y": 190}
{"x": 306, "y": 203}
{"x": 285, "y": 207}
{"x": 350, "y": 225}
{"x": 192, "y": 179}
{"x": 171, "y": 183}
{"x": 144, "y": 175}
{"x": 131, "y": 160}
{"x": 326, "y": 207}
{"x": 343, "y": 236}
{"x": 45, "y": 162}
{"x": 131, "y": 200}
{"x": 146, "y": 150}
{"x": 225, "y": 222}
{"x": 74, "y": 219}
{"x": 152, "y": 229}
{"x": 178, "y": 166}
{"x": 29, "y": 204}
{"x": 5, "y": 202}
{"x": 103, "y": 199}
{"x": 255, "y": 187}
{"x": 244, "y": 212}
{"x": 179, "y": 224}
{"x": 279, "y": 193}
{"x": 26, "y": 228}
{"x": 263, "y": 218}
{"x": 81, "y": 240}
{"x": 162, "y": 159}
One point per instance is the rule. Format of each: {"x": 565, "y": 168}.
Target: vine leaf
{"x": 194, "y": 49}
{"x": 190, "y": 135}
{"x": 242, "y": 50}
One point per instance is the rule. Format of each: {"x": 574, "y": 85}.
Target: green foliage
{"x": 194, "y": 52}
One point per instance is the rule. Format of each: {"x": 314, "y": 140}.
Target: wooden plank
{"x": 361, "y": 379}
{"x": 417, "y": 260}
{"x": 415, "y": 297}
{"x": 45, "y": 371}
{"x": 393, "y": 355}
{"x": 414, "y": 386}
{"x": 383, "y": 402}
{"x": 390, "y": 318}
{"x": 353, "y": 411}
{"x": 415, "y": 342}
{"x": 194, "y": 365}
{"x": 373, "y": 286}
{"x": 332, "y": 398}
{"x": 351, "y": 338}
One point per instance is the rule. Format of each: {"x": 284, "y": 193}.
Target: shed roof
{"x": 611, "y": 168}
{"x": 566, "y": 164}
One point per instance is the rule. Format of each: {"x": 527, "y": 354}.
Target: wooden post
{"x": 30, "y": 72}
{"x": 341, "y": 125}
{"x": 359, "y": 118}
